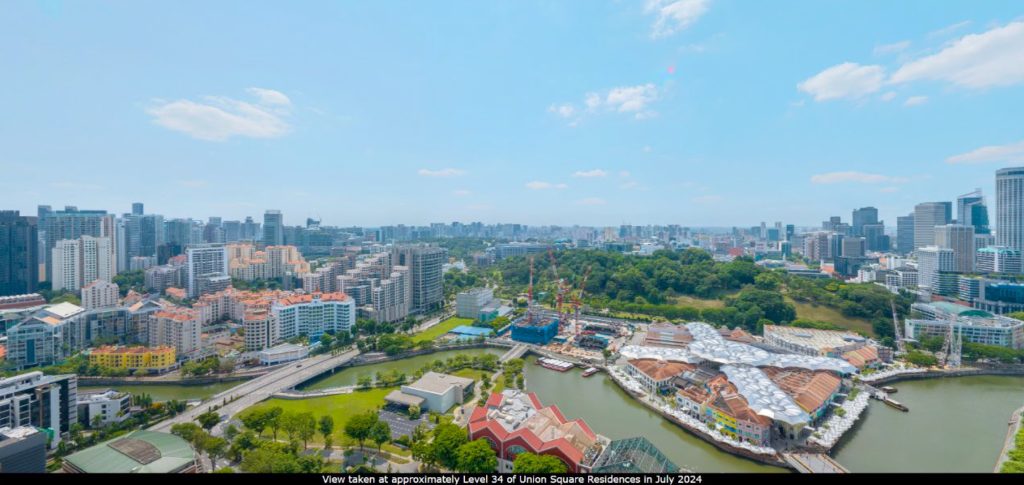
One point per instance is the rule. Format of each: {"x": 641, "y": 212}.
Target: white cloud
{"x": 846, "y": 80}
{"x": 539, "y": 185}
{"x": 462, "y": 192}
{"x": 270, "y": 96}
{"x": 444, "y": 172}
{"x": 217, "y": 118}
{"x": 915, "y": 100}
{"x": 590, "y": 173}
{"x": 565, "y": 110}
{"x": 1012, "y": 153}
{"x": 949, "y": 29}
{"x": 623, "y": 99}
{"x": 991, "y": 58}
{"x": 892, "y": 48}
{"x": 674, "y": 15}
{"x": 854, "y": 177}
{"x": 889, "y": 96}
{"x": 591, "y": 201}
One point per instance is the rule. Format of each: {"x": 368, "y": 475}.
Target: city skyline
{"x": 595, "y": 114}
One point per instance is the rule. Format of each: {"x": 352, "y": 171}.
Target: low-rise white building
{"x": 439, "y": 391}
{"x": 103, "y": 408}
{"x": 283, "y": 353}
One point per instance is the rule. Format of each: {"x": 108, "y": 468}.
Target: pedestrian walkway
{"x": 814, "y": 463}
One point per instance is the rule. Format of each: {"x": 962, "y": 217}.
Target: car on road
{"x": 298, "y": 365}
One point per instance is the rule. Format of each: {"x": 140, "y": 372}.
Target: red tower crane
{"x": 529, "y": 295}
{"x": 559, "y": 290}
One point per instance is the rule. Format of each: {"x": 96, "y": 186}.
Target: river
{"x": 351, "y": 375}
{"x": 955, "y": 424}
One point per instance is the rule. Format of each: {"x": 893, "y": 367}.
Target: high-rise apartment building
{"x": 998, "y": 259}
{"x": 960, "y": 239}
{"x": 144, "y": 233}
{"x": 205, "y": 262}
{"x": 78, "y": 262}
{"x": 927, "y": 215}
{"x": 19, "y": 254}
{"x": 72, "y": 223}
{"x": 1010, "y": 207}
{"x": 425, "y": 264}
{"x": 273, "y": 228}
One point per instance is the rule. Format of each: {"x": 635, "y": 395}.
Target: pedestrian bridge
{"x": 813, "y": 463}
{"x": 515, "y": 352}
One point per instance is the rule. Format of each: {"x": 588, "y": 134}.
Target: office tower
{"x": 232, "y": 231}
{"x": 19, "y": 254}
{"x": 78, "y": 262}
{"x": 874, "y": 237}
{"x": 905, "y": 234}
{"x": 790, "y": 231}
{"x": 853, "y": 247}
{"x": 34, "y": 399}
{"x": 972, "y": 211}
{"x": 273, "y": 228}
{"x": 1010, "y": 207}
{"x": 143, "y": 234}
{"x": 960, "y": 239}
{"x": 72, "y": 223}
{"x": 99, "y": 294}
{"x": 137, "y": 209}
{"x": 425, "y": 263}
{"x": 251, "y": 230}
{"x": 936, "y": 270}
{"x": 207, "y": 266}
{"x": 863, "y": 217}
{"x": 927, "y": 215}
{"x": 213, "y": 231}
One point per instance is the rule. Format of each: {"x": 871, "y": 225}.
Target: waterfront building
{"x": 514, "y": 422}
{"x": 140, "y": 451}
{"x": 100, "y": 294}
{"x": 539, "y": 331}
{"x": 811, "y": 341}
{"x": 206, "y": 268}
{"x": 813, "y": 391}
{"x": 927, "y": 215}
{"x": 178, "y": 328}
{"x": 312, "y": 315}
{"x": 260, "y": 330}
{"x": 654, "y": 374}
{"x": 151, "y": 359}
{"x": 99, "y": 409}
{"x": 974, "y": 325}
{"x": 280, "y": 354}
{"x": 434, "y": 392}
{"x": 22, "y": 450}
{"x": 719, "y": 404}
{"x": 999, "y": 259}
{"x": 19, "y": 254}
{"x": 77, "y": 262}
{"x": 34, "y": 399}
{"x": 1010, "y": 208}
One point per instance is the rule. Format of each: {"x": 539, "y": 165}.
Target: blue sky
{"x": 696, "y": 112}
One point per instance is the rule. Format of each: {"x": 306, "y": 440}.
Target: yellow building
{"x": 155, "y": 359}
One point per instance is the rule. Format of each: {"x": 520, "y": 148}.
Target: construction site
{"x": 562, "y": 328}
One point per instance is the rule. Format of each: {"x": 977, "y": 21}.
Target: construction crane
{"x": 529, "y": 295}
{"x": 577, "y": 300}
{"x": 559, "y": 290}
{"x": 952, "y": 346}
{"x": 897, "y": 331}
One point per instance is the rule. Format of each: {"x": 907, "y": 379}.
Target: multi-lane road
{"x": 253, "y": 391}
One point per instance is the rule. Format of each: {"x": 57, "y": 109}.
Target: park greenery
{"x": 1015, "y": 459}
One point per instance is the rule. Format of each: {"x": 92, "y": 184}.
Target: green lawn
{"x": 340, "y": 407}
{"x": 440, "y": 329}
{"x": 820, "y": 313}
{"x": 698, "y": 303}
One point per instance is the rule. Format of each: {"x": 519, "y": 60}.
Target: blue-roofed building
{"x": 466, "y": 332}
{"x": 538, "y": 332}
